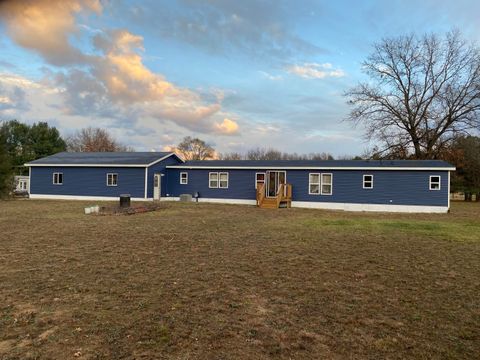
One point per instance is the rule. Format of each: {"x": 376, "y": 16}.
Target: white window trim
{"x": 365, "y": 187}
{"x": 210, "y": 181}
{"x": 228, "y": 179}
{"x": 264, "y": 177}
{"x": 186, "y": 178}
{"x": 53, "y": 178}
{"x": 116, "y": 180}
{"x": 439, "y": 182}
{"x": 321, "y": 184}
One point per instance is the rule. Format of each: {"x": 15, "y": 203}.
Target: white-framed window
{"x": 213, "y": 180}
{"x": 435, "y": 181}
{"x": 259, "y": 178}
{"x": 368, "y": 181}
{"x": 218, "y": 180}
{"x": 327, "y": 182}
{"x": 314, "y": 184}
{"x": 57, "y": 178}
{"x": 112, "y": 179}
{"x": 184, "y": 178}
{"x": 223, "y": 180}
{"x": 22, "y": 185}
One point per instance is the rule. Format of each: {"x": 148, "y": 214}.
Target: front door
{"x": 157, "y": 185}
{"x": 274, "y": 179}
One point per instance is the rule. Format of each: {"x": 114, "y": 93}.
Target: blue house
{"x": 355, "y": 185}
{"x": 100, "y": 176}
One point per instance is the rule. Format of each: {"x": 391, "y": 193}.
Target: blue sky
{"x": 239, "y": 74}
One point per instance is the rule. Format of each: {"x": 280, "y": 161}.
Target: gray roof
{"x": 100, "y": 158}
{"x": 316, "y": 164}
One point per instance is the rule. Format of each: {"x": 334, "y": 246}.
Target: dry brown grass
{"x": 206, "y": 281}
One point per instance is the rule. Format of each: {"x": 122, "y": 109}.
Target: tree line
{"x": 197, "y": 149}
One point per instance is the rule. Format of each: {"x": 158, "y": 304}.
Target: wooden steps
{"x": 269, "y": 203}
{"x": 283, "y": 199}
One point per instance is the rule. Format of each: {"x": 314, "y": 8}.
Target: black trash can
{"x": 125, "y": 200}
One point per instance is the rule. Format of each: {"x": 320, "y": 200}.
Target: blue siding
{"x": 390, "y": 187}
{"x": 88, "y": 181}
{"x": 159, "y": 168}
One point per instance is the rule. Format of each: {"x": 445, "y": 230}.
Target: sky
{"x": 238, "y": 74}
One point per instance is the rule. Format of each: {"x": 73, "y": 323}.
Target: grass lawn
{"x": 204, "y": 281}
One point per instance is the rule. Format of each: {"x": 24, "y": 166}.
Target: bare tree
{"x": 319, "y": 156}
{"x": 94, "y": 140}
{"x": 263, "y": 154}
{"x": 231, "y": 156}
{"x": 272, "y": 154}
{"x": 422, "y": 93}
{"x": 195, "y": 149}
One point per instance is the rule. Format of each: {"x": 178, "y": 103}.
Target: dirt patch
{"x": 47, "y": 333}
{"x": 130, "y": 210}
{"x": 6, "y": 346}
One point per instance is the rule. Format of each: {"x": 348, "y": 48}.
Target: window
{"x": 112, "y": 179}
{"x": 434, "y": 182}
{"x": 183, "y": 178}
{"x": 368, "y": 181}
{"x": 213, "y": 180}
{"x": 223, "y": 183}
{"x": 259, "y": 178}
{"x": 327, "y": 180}
{"x": 57, "y": 178}
{"x": 314, "y": 184}
{"x": 22, "y": 185}
{"x": 218, "y": 180}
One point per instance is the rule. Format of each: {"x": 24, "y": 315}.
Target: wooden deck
{"x": 283, "y": 198}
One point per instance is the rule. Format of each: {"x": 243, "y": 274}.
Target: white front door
{"x": 157, "y": 185}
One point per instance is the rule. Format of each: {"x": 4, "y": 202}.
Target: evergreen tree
{"x": 5, "y": 169}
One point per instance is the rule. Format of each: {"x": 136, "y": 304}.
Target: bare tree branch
{"x": 94, "y": 140}
{"x": 423, "y": 92}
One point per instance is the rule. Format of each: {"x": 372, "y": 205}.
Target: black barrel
{"x": 125, "y": 200}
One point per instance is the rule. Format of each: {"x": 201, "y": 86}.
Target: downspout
{"x": 146, "y": 182}
{"x": 29, "y": 179}
{"x": 449, "y": 190}
{"x": 166, "y": 181}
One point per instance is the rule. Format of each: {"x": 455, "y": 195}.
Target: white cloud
{"x": 44, "y": 26}
{"x": 113, "y": 83}
{"x": 315, "y": 70}
{"x": 227, "y": 127}
{"x": 270, "y": 76}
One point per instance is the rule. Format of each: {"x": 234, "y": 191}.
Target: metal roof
{"x": 317, "y": 164}
{"x": 101, "y": 159}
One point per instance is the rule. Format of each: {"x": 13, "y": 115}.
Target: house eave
{"x": 313, "y": 168}
{"x": 106, "y": 165}
{"x": 87, "y": 165}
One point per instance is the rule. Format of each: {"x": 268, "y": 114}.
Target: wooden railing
{"x": 284, "y": 193}
{"x": 279, "y": 195}
{"x": 260, "y": 193}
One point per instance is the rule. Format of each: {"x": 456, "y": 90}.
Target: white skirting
{"x": 333, "y": 206}
{"x": 214, "y": 200}
{"x": 81, "y": 197}
{"x": 371, "y": 207}
{"x": 299, "y": 204}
